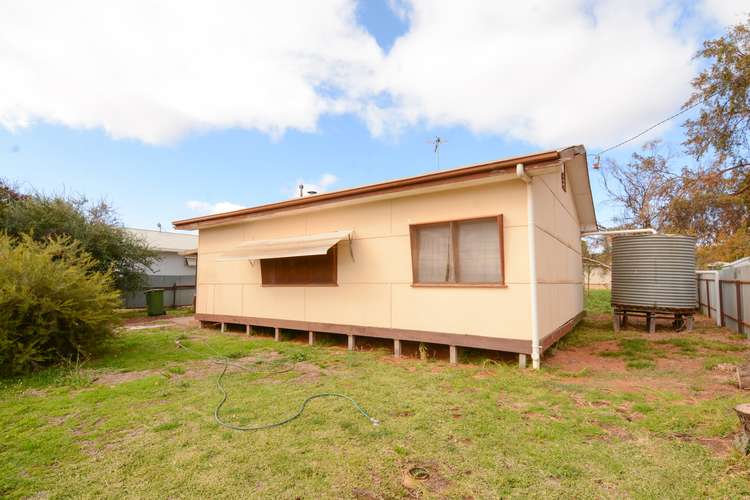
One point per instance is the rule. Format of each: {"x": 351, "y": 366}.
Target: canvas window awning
{"x": 298, "y": 246}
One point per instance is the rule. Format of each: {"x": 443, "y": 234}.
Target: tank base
{"x": 682, "y": 319}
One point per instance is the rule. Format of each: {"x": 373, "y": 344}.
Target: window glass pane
{"x": 478, "y": 252}
{"x": 434, "y": 254}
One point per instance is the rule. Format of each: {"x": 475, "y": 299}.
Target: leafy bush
{"x": 94, "y": 226}
{"x": 54, "y": 305}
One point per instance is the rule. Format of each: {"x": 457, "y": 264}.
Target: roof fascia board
{"x": 410, "y": 183}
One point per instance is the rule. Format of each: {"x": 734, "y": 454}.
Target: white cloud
{"x": 549, "y": 72}
{"x": 725, "y": 12}
{"x": 327, "y": 179}
{"x": 155, "y": 71}
{"x": 204, "y": 207}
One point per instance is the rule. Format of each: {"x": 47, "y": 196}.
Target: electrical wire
{"x": 227, "y": 363}
{"x": 598, "y": 155}
{"x": 649, "y": 129}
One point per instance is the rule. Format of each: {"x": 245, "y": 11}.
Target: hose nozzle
{"x": 374, "y": 421}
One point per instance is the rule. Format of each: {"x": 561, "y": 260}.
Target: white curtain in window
{"x": 478, "y": 252}
{"x": 434, "y": 254}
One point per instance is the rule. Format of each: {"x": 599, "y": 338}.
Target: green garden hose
{"x": 227, "y": 363}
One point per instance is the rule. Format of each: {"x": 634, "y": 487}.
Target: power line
{"x": 685, "y": 110}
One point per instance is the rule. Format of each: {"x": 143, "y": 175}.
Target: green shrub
{"x": 95, "y": 226}
{"x": 53, "y": 304}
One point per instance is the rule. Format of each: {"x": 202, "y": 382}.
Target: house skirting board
{"x": 452, "y": 339}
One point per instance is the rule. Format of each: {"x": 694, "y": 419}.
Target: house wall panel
{"x": 516, "y": 250}
{"x": 281, "y": 302}
{"x": 350, "y": 304}
{"x": 374, "y": 288}
{"x": 221, "y": 238}
{"x": 492, "y": 312}
{"x": 204, "y": 300}
{"x": 369, "y": 220}
{"x": 228, "y": 299}
{"x": 508, "y": 198}
{"x": 280, "y": 226}
{"x": 558, "y": 254}
{"x": 376, "y": 260}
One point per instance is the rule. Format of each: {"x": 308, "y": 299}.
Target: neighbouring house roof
{"x": 165, "y": 241}
{"x": 574, "y": 158}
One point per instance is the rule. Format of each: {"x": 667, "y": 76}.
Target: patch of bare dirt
{"x": 183, "y": 321}
{"x": 719, "y": 446}
{"x": 481, "y": 375}
{"x": 363, "y": 494}
{"x": 424, "y": 478}
{"x": 575, "y": 358}
{"x": 57, "y": 421}
{"x": 675, "y": 370}
{"x": 114, "y": 378}
{"x": 186, "y": 321}
{"x": 405, "y": 413}
{"x": 614, "y": 433}
{"x": 309, "y": 372}
{"x": 37, "y": 393}
{"x": 192, "y": 370}
{"x": 94, "y": 449}
{"x": 82, "y": 429}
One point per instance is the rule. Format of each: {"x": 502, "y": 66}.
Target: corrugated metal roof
{"x": 166, "y": 241}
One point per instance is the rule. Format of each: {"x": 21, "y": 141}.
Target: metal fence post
{"x": 740, "y": 327}
{"x": 722, "y": 322}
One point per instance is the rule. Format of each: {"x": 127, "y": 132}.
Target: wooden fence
{"x": 726, "y": 303}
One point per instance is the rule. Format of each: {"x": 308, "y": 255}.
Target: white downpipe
{"x": 531, "y": 230}
{"x": 614, "y": 232}
{"x": 717, "y": 284}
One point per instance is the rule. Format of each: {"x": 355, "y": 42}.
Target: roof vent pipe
{"x": 531, "y": 230}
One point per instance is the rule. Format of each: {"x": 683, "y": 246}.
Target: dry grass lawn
{"x": 628, "y": 415}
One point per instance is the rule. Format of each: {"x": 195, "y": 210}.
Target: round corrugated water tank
{"x": 654, "y": 271}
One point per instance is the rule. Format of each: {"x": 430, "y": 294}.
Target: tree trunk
{"x": 742, "y": 441}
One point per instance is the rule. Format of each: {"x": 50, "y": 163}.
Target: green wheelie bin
{"x": 155, "y": 302}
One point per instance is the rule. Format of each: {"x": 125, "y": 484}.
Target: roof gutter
{"x": 616, "y": 232}
{"x": 531, "y": 231}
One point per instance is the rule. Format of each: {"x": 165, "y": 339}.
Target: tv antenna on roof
{"x": 436, "y": 143}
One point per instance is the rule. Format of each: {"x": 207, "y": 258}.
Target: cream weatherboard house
{"x": 484, "y": 256}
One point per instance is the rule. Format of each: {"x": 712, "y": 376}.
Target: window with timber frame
{"x": 301, "y": 271}
{"x": 461, "y": 253}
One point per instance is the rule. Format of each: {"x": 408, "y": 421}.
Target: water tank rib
{"x": 654, "y": 271}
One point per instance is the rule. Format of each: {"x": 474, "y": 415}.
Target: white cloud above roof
{"x": 725, "y": 12}
{"x": 206, "y": 208}
{"x": 548, "y": 72}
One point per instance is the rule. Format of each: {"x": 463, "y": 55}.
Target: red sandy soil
{"x": 675, "y": 372}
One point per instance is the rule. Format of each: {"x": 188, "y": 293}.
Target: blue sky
{"x": 151, "y": 169}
